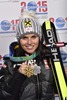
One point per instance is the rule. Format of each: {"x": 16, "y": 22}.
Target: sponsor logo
{"x": 64, "y": 56}
{"x": 8, "y": 26}
{"x": 52, "y": 42}
{"x": 32, "y": 6}
{"x": 27, "y": 23}
{"x": 60, "y": 22}
{"x": 5, "y": 25}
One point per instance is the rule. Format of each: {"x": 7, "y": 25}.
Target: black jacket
{"x": 39, "y": 87}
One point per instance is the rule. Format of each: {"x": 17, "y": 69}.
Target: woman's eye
{"x": 34, "y": 37}
{"x": 24, "y": 38}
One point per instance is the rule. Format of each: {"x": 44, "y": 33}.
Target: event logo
{"x": 5, "y": 25}
{"x": 40, "y": 6}
{"x": 32, "y": 6}
{"x": 60, "y": 22}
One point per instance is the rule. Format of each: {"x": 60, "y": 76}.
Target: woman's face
{"x": 29, "y": 43}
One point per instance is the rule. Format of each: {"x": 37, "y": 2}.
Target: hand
{"x": 26, "y": 69}
{"x": 22, "y": 67}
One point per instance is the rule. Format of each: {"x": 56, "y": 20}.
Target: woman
{"x": 31, "y": 78}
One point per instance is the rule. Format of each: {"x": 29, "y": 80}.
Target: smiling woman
{"x": 30, "y": 76}
{"x": 29, "y": 43}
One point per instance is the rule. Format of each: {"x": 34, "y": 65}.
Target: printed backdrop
{"x": 11, "y": 10}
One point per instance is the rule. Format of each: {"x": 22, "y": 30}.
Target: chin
{"x": 30, "y": 52}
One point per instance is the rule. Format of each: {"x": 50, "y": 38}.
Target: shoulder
{"x": 9, "y": 65}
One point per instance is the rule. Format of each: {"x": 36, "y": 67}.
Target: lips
{"x": 29, "y": 47}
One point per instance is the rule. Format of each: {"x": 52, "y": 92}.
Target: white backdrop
{"x": 10, "y": 11}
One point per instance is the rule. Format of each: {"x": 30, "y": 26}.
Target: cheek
{"x": 22, "y": 42}
{"x": 37, "y": 41}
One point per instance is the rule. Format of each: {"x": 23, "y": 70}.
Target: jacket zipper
{"x": 38, "y": 88}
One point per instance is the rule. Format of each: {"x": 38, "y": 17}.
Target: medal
{"x": 32, "y": 68}
{"x": 28, "y": 71}
{"x": 37, "y": 69}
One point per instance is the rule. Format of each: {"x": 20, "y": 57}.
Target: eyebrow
{"x": 32, "y": 35}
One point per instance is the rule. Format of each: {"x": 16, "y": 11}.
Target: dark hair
{"x": 42, "y": 51}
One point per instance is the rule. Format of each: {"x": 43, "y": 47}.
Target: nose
{"x": 29, "y": 41}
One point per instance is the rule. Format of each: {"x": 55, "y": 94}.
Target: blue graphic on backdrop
{"x": 60, "y": 22}
{"x": 5, "y": 25}
{"x": 64, "y": 56}
{"x": 32, "y": 6}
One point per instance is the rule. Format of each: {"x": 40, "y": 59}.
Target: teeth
{"x": 30, "y": 47}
